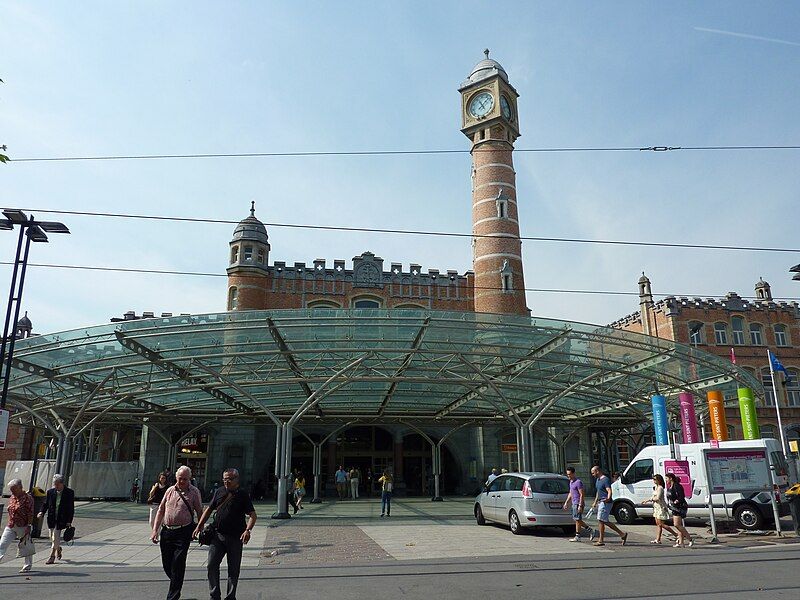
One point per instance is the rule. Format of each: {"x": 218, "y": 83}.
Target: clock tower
{"x": 490, "y": 120}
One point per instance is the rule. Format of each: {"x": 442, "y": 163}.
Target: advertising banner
{"x": 716, "y": 414}
{"x": 691, "y": 434}
{"x": 681, "y": 470}
{"x": 747, "y": 409}
{"x": 660, "y": 424}
{"x": 732, "y": 471}
{"x": 4, "y": 414}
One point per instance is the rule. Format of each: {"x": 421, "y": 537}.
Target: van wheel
{"x": 624, "y": 513}
{"x": 479, "y": 515}
{"x": 513, "y": 523}
{"x": 748, "y": 517}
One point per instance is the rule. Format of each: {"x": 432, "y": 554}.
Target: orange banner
{"x": 716, "y": 414}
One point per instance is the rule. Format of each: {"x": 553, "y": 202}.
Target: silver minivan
{"x": 525, "y": 500}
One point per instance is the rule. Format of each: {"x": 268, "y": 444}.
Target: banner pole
{"x": 777, "y": 405}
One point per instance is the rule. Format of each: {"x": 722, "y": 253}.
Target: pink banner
{"x": 691, "y": 435}
{"x": 681, "y": 470}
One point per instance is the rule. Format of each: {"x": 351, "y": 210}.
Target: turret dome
{"x": 251, "y": 229}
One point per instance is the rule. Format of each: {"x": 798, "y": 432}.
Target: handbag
{"x": 209, "y": 532}
{"x": 68, "y": 536}
{"x": 26, "y": 546}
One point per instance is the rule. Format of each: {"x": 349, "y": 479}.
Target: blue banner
{"x": 660, "y": 422}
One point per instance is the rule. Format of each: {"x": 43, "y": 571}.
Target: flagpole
{"x": 777, "y": 404}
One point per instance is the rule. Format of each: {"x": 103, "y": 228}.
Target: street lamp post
{"x": 30, "y": 230}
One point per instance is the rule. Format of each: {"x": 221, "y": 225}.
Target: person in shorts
{"x": 603, "y": 504}
{"x": 576, "y": 499}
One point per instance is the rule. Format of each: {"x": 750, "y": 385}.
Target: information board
{"x": 731, "y": 471}
{"x": 3, "y": 428}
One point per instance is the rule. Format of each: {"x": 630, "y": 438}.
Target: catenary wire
{"x": 414, "y": 232}
{"x": 389, "y": 153}
{"x": 289, "y": 268}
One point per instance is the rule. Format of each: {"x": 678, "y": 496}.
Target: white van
{"x": 750, "y": 511}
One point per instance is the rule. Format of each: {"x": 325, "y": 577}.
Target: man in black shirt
{"x": 232, "y": 504}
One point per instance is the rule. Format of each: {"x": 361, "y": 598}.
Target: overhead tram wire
{"x": 289, "y": 268}
{"x": 310, "y": 153}
{"x": 415, "y": 232}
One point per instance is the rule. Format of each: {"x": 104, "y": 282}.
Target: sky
{"x": 123, "y": 78}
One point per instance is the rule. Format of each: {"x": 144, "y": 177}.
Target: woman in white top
{"x": 660, "y": 509}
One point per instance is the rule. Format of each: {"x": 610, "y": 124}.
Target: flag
{"x": 777, "y": 366}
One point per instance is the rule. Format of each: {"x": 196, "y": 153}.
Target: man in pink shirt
{"x": 173, "y": 527}
{"x": 20, "y": 519}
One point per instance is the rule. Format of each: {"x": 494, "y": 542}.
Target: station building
{"x": 436, "y": 375}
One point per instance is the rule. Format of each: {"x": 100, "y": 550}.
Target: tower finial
{"x": 252, "y": 208}
{"x": 486, "y": 52}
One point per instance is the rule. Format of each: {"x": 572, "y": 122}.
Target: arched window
{"x": 696, "y": 331}
{"x": 769, "y": 431}
{"x": 756, "y": 334}
{"x": 721, "y": 334}
{"x": 793, "y": 388}
{"x": 410, "y": 306}
{"x": 233, "y": 298}
{"x": 769, "y": 393}
{"x": 367, "y": 302}
{"x": 781, "y": 339}
{"x": 737, "y": 325}
{"x": 322, "y": 304}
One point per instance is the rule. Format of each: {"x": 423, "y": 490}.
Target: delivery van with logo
{"x": 750, "y": 510}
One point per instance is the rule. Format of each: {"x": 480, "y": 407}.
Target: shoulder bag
{"x": 209, "y": 532}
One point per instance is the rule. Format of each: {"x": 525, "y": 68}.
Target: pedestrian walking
{"x": 59, "y": 506}
{"x": 234, "y": 521}
{"x": 387, "y": 487}
{"x": 341, "y": 483}
{"x": 676, "y": 500}
{"x": 173, "y": 527}
{"x": 299, "y": 490}
{"x": 20, "y": 521}
{"x": 355, "y": 477}
{"x": 660, "y": 509}
{"x": 602, "y": 503}
{"x": 576, "y": 498}
{"x": 492, "y": 476}
{"x": 156, "y": 495}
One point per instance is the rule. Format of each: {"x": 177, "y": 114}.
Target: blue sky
{"x": 97, "y": 78}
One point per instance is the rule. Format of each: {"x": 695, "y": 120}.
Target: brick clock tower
{"x": 490, "y": 120}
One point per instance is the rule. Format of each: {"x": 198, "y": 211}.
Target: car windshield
{"x": 550, "y": 486}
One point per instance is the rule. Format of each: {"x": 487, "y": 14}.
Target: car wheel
{"x": 624, "y": 513}
{"x": 479, "y": 515}
{"x": 513, "y": 523}
{"x": 748, "y": 517}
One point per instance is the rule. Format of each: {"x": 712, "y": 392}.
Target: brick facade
{"x": 733, "y": 323}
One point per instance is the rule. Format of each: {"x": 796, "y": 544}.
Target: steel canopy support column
{"x": 317, "y": 462}
{"x": 284, "y": 432}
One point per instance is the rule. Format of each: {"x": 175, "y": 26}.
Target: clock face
{"x": 481, "y": 105}
{"x": 505, "y": 107}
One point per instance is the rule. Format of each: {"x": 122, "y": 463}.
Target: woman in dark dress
{"x": 676, "y": 500}
{"x": 59, "y": 506}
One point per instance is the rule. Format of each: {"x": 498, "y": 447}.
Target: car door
{"x": 490, "y": 499}
{"x": 510, "y": 488}
{"x": 639, "y": 480}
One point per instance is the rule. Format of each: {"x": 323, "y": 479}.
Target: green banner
{"x": 747, "y": 408}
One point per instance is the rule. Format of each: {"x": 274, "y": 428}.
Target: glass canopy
{"x": 369, "y": 364}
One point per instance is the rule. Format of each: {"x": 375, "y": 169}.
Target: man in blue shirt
{"x": 603, "y": 504}
{"x": 341, "y": 483}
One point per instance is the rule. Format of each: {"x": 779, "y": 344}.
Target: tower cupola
{"x": 249, "y": 247}
{"x": 763, "y": 291}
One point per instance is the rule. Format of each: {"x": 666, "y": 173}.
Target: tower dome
{"x": 485, "y": 69}
{"x": 251, "y": 229}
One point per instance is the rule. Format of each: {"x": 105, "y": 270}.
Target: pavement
{"x": 423, "y": 547}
